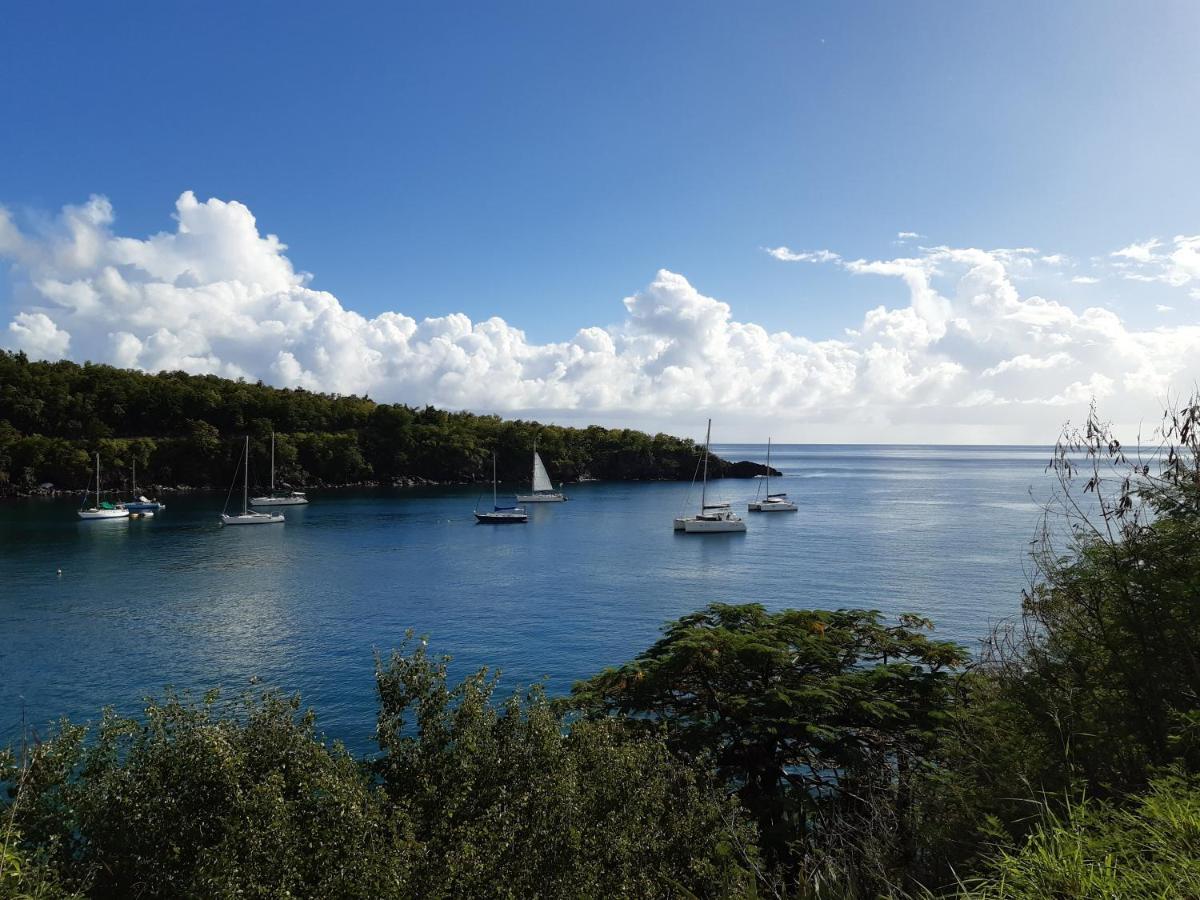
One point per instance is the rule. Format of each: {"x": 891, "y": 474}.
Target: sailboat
{"x": 101, "y": 510}
{"x": 543, "y": 488}
{"x": 295, "y": 498}
{"x": 773, "y": 502}
{"x": 248, "y": 516}
{"x": 140, "y": 504}
{"x": 500, "y": 515}
{"x": 713, "y": 518}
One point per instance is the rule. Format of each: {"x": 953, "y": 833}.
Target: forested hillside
{"x": 185, "y": 429}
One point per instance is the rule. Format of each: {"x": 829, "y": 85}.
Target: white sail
{"x": 541, "y": 478}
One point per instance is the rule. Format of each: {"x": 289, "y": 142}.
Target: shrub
{"x": 213, "y": 800}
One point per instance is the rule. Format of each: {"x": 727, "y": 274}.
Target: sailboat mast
{"x": 97, "y": 479}
{"x": 272, "y": 462}
{"x": 246, "y": 478}
{"x": 495, "y": 501}
{"x": 704, "y": 484}
{"x": 768, "y": 467}
{"x": 135, "y": 478}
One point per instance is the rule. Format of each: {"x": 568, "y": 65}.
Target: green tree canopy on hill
{"x": 184, "y": 430}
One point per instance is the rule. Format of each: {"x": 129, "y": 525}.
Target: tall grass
{"x": 1150, "y": 848}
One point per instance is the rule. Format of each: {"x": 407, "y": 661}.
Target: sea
{"x": 96, "y": 614}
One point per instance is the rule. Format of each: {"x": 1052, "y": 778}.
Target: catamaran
{"x": 543, "y": 487}
{"x": 141, "y": 504}
{"x": 248, "y": 516}
{"x": 102, "y": 510}
{"x": 295, "y": 498}
{"x": 772, "y": 502}
{"x": 500, "y": 515}
{"x": 713, "y": 518}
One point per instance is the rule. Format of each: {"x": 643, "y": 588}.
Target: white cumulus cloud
{"x": 786, "y": 255}
{"x": 1177, "y": 265}
{"x": 1139, "y": 252}
{"x": 966, "y": 358}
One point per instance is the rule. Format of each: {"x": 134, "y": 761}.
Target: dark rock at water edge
{"x": 634, "y": 465}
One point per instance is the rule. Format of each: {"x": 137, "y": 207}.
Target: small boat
{"x": 500, "y": 515}
{"x": 294, "y": 498}
{"x": 101, "y": 510}
{"x": 248, "y": 516}
{"x": 713, "y": 518}
{"x": 141, "y": 504}
{"x": 543, "y": 488}
{"x": 772, "y": 502}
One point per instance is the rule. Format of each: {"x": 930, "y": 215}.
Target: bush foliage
{"x": 207, "y": 798}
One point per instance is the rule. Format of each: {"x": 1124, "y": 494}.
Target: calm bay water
{"x": 177, "y": 600}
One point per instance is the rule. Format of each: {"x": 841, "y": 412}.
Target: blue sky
{"x": 541, "y": 161}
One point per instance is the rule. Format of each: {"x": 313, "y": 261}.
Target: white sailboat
{"x": 713, "y": 518}
{"x": 248, "y": 516}
{"x": 101, "y": 510}
{"x": 500, "y": 515}
{"x": 294, "y": 498}
{"x": 772, "y": 502}
{"x": 543, "y": 487}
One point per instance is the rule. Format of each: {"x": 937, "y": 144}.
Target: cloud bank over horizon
{"x": 967, "y": 359}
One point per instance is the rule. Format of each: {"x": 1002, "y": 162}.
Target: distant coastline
{"x": 183, "y": 433}
{"x": 741, "y": 469}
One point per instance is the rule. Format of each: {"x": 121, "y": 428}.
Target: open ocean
{"x": 177, "y": 600}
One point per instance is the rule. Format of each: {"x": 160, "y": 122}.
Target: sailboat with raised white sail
{"x": 292, "y": 498}
{"x": 772, "y": 502}
{"x": 247, "y": 516}
{"x": 543, "y": 487}
{"x": 101, "y": 509}
{"x": 713, "y": 518}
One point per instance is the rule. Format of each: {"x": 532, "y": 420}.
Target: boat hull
{"x": 764, "y": 506}
{"x": 541, "y": 498}
{"x": 718, "y": 526}
{"x": 501, "y": 518}
{"x": 152, "y": 506}
{"x": 98, "y": 515}
{"x": 253, "y": 519}
{"x": 278, "y": 501}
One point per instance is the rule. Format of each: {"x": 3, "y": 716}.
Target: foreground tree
{"x": 467, "y": 799}
{"x": 1095, "y": 689}
{"x": 506, "y": 802}
{"x": 206, "y": 800}
{"x": 1104, "y": 666}
{"x": 821, "y": 720}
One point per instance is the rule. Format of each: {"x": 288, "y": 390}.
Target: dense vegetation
{"x": 212, "y": 799}
{"x": 748, "y": 753}
{"x": 184, "y": 429}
